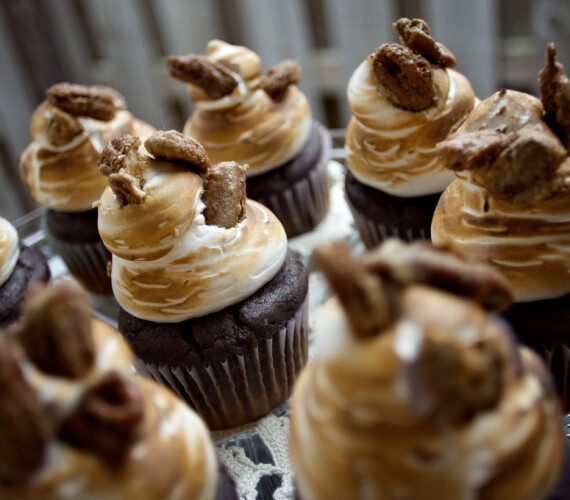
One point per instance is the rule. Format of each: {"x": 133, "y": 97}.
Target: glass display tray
{"x": 256, "y": 455}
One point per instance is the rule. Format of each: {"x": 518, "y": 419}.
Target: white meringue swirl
{"x": 9, "y": 249}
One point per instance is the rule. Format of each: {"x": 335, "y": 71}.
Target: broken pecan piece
{"x": 278, "y": 79}
{"x": 225, "y": 195}
{"x": 405, "y": 77}
{"x": 115, "y": 155}
{"x": 62, "y": 128}
{"x": 127, "y": 188}
{"x": 106, "y": 419}
{"x": 96, "y": 101}
{"x": 56, "y": 329}
{"x": 415, "y": 34}
{"x": 173, "y": 146}
{"x": 212, "y": 77}
{"x": 24, "y": 425}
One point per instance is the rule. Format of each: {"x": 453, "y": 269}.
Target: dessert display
{"x": 20, "y": 267}
{"x": 211, "y": 300}
{"x": 69, "y": 130}
{"x": 510, "y": 205}
{"x": 75, "y": 422}
{"x": 261, "y": 120}
{"x": 404, "y": 98}
{"x": 418, "y": 388}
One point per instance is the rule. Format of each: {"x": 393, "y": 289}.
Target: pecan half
{"x": 127, "y": 188}
{"x": 405, "y": 77}
{"x": 225, "y": 194}
{"x": 62, "y": 128}
{"x": 367, "y": 304}
{"x": 56, "y": 329}
{"x": 422, "y": 262}
{"x": 115, "y": 155}
{"x": 24, "y": 425}
{"x": 96, "y": 101}
{"x": 212, "y": 77}
{"x": 415, "y": 34}
{"x": 554, "y": 87}
{"x": 106, "y": 419}
{"x": 278, "y": 79}
{"x": 173, "y": 146}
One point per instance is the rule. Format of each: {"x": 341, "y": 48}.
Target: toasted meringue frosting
{"x": 247, "y": 126}
{"x": 363, "y": 414}
{"x": 9, "y": 249}
{"x": 169, "y": 265}
{"x": 65, "y": 177}
{"x": 393, "y": 149}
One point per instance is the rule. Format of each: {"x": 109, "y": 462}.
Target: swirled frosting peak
{"x": 9, "y": 249}
{"x": 417, "y": 392}
{"x": 68, "y": 132}
{"x": 259, "y": 120}
{"x": 185, "y": 240}
{"x": 404, "y": 100}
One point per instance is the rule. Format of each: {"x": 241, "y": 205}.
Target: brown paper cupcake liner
{"x": 242, "y": 387}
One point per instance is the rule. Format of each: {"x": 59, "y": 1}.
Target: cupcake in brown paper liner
{"x": 76, "y": 422}
{"x": 510, "y": 207}
{"x": 418, "y": 388}
{"x": 261, "y": 120}
{"x": 404, "y": 99}
{"x": 69, "y": 130}
{"x": 211, "y": 300}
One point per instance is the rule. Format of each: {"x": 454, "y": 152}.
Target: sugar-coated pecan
{"x": 127, "y": 188}
{"x": 173, "y": 146}
{"x": 415, "y": 34}
{"x": 423, "y": 263}
{"x": 225, "y": 194}
{"x": 106, "y": 419}
{"x": 212, "y": 77}
{"x": 96, "y": 101}
{"x": 56, "y": 329}
{"x": 554, "y": 87}
{"x": 24, "y": 425}
{"x": 62, "y": 128}
{"x": 405, "y": 77}
{"x": 366, "y": 302}
{"x": 116, "y": 153}
{"x": 278, "y": 78}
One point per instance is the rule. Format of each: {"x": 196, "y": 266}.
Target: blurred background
{"x": 124, "y": 43}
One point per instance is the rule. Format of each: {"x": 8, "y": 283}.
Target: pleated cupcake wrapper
{"x": 373, "y": 232}
{"x": 243, "y": 387}
{"x": 306, "y": 202}
{"x": 557, "y": 359}
{"x": 87, "y": 262}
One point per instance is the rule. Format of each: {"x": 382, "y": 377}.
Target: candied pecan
{"x": 96, "y": 101}
{"x": 24, "y": 425}
{"x": 173, "y": 146}
{"x": 127, "y": 188}
{"x": 278, "y": 78}
{"x": 212, "y": 77}
{"x": 415, "y": 34}
{"x": 554, "y": 87}
{"x": 116, "y": 153}
{"x": 422, "y": 262}
{"x": 56, "y": 329}
{"x": 62, "y": 128}
{"x": 225, "y": 194}
{"x": 106, "y": 419}
{"x": 404, "y": 77}
{"x": 367, "y": 304}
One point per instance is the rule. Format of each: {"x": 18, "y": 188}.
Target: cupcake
{"x": 20, "y": 266}
{"x": 404, "y": 98}
{"x": 211, "y": 300}
{"x": 263, "y": 121}
{"x": 509, "y": 206}
{"x": 418, "y": 389}
{"x": 75, "y": 423}
{"x": 68, "y": 132}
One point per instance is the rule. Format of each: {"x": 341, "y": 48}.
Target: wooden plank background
{"x": 123, "y": 43}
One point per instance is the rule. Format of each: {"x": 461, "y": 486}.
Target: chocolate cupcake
{"x": 510, "y": 207}
{"x": 211, "y": 300}
{"x": 76, "y": 423}
{"x": 263, "y": 121}
{"x": 404, "y": 98}
{"x": 418, "y": 389}
{"x": 68, "y": 132}
{"x": 20, "y": 267}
